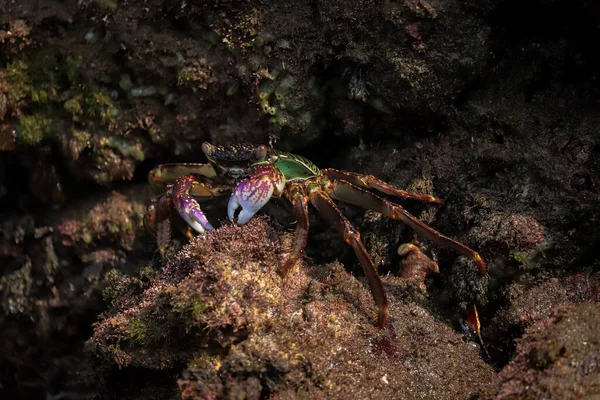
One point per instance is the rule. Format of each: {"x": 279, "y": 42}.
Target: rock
{"x": 237, "y": 325}
{"x": 557, "y": 358}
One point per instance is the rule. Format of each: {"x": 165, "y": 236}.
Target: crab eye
{"x": 236, "y": 172}
{"x": 207, "y": 149}
{"x": 261, "y": 151}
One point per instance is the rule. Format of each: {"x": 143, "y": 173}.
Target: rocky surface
{"x": 491, "y": 106}
{"x": 557, "y": 358}
{"x": 219, "y": 306}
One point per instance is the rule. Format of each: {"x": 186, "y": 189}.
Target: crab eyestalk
{"x": 263, "y": 181}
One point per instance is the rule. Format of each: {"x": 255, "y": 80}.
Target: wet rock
{"x": 531, "y": 302}
{"x": 558, "y": 357}
{"x": 518, "y": 232}
{"x": 52, "y": 274}
{"x": 112, "y": 222}
{"x": 465, "y": 285}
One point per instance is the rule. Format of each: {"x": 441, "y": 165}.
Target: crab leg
{"x": 166, "y": 174}
{"x": 347, "y": 192}
{"x": 329, "y": 210}
{"x": 295, "y": 193}
{"x": 158, "y": 220}
{"x": 371, "y": 182}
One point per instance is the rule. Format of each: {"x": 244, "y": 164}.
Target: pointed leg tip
{"x": 473, "y": 320}
{"x": 480, "y": 264}
{"x": 382, "y": 320}
{"x": 162, "y": 249}
{"x": 284, "y": 269}
{"x": 436, "y": 200}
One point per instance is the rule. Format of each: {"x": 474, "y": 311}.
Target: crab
{"x": 253, "y": 175}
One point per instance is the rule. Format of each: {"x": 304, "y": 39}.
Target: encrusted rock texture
{"x": 492, "y": 106}
{"x": 219, "y": 306}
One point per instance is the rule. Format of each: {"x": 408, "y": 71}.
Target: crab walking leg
{"x": 329, "y": 210}
{"x": 166, "y": 174}
{"x": 187, "y": 206}
{"x": 349, "y": 193}
{"x": 371, "y": 182}
{"x": 297, "y": 196}
{"x": 158, "y": 220}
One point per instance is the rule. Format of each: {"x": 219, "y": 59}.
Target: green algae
{"x": 32, "y": 129}
{"x": 27, "y": 84}
{"x": 137, "y": 331}
{"x": 100, "y": 105}
{"x": 197, "y": 307}
{"x": 38, "y": 89}
{"x": 127, "y": 147}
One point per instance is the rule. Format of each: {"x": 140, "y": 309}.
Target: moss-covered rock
{"x": 219, "y": 306}
{"x": 112, "y": 223}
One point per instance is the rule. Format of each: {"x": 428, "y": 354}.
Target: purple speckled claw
{"x": 253, "y": 192}
{"x": 188, "y": 207}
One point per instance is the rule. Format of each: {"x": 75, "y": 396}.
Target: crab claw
{"x": 188, "y": 207}
{"x": 254, "y": 191}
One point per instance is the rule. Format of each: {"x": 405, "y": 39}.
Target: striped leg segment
{"x": 371, "y": 182}
{"x": 157, "y": 220}
{"x": 295, "y": 193}
{"x": 165, "y": 174}
{"x": 329, "y": 210}
{"x": 349, "y": 193}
